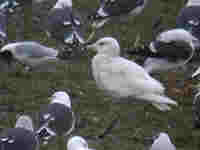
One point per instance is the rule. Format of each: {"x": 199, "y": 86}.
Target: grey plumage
{"x": 56, "y": 118}
{"x": 110, "y": 8}
{"x": 21, "y": 137}
{"x": 30, "y": 53}
{"x": 63, "y": 25}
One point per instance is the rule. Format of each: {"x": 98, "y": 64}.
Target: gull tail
{"x": 160, "y": 102}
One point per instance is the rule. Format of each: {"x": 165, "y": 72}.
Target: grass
{"x": 26, "y": 92}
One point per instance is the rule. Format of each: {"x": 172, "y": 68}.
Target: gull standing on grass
{"x": 31, "y": 54}
{"x": 56, "y": 118}
{"x": 123, "y": 78}
{"x": 21, "y": 137}
{"x": 175, "y": 47}
{"x": 171, "y": 49}
{"x": 183, "y": 40}
{"x": 189, "y": 20}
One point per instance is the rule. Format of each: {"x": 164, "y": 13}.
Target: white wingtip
{"x": 160, "y": 102}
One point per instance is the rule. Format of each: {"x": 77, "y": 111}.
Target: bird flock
{"x": 116, "y": 76}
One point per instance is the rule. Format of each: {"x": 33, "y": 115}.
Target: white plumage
{"x": 77, "y": 143}
{"x": 123, "y": 78}
{"x": 63, "y": 3}
{"x": 61, "y": 97}
{"x": 25, "y": 122}
{"x": 163, "y": 142}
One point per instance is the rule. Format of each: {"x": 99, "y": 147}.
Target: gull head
{"x": 77, "y": 143}
{"x": 7, "y": 52}
{"x": 61, "y": 97}
{"x": 174, "y": 36}
{"x": 106, "y": 46}
{"x": 63, "y": 4}
{"x": 25, "y": 122}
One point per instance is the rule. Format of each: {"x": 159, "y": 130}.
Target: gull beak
{"x": 91, "y": 47}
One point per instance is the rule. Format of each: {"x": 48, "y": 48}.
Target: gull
{"x": 163, "y": 142}
{"x": 77, "y": 143}
{"x": 56, "y": 118}
{"x": 21, "y": 137}
{"x": 175, "y": 47}
{"x": 189, "y": 20}
{"x": 113, "y": 8}
{"x": 170, "y": 49}
{"x": 63, "y": 25}
{"x": 29, "y": 53}
{"x": 123, "y": 78}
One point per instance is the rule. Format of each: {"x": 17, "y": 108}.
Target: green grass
{"x": 27, "y": 91}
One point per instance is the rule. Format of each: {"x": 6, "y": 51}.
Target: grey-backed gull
{"x": 56, "y": 118}
{"x": 28, "y": 53}
{"x": 21, "y": 137}
{"x": 111, "y": 8}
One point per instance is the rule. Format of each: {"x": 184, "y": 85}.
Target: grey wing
{"x": 33, "y": 49}
{"x": 119, "y": 7}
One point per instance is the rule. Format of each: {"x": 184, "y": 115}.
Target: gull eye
{"x": 102, "y": 43}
